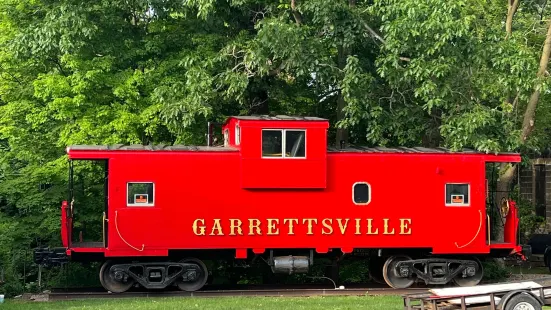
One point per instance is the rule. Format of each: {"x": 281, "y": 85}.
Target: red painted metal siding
{"x": 203, "y": 185}
{"x": 259, "y": 172}
{"x": 230, "y": 126}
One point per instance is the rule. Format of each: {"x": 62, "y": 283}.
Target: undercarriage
{"x": 401, "y": 271}
{"x": 49, "y": 257}
{"x": 188, "y": 274}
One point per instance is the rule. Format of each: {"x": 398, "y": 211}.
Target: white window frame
{"x": 283, "y": 143}
{"x": 237, "y": 134}
{"x": 139, "y": 204}
{"x": 457, "y": 204}
{"x": 370, "y": 193}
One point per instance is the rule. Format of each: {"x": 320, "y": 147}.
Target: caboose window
{"x": 295, "y": 145}
{"x": 272, "y": 143}
{"x": 226, "y": 137}
{"x": 140, "y": 194}
{"x": 237, "y": 135}
{"x": 457, "y": 194}
{"x": 283, "y": 143}
{"x": 361, "y": 193}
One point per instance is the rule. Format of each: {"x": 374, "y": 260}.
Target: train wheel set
{"x": 188, "y": 274}
{"x": 191, "y": 274}
{"x": 401, "y": 271}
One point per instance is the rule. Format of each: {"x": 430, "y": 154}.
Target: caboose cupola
{"x": 279, "y": 151}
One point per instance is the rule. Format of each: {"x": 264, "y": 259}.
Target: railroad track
{"x": 226, "y": 291}
{"x": 240, "y": 290}
{"x": 233, "y": 293}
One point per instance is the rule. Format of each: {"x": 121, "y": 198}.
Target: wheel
{"x": 198, "y": 283}
{"x": 522, "y": 301}
{"x": 375, "y": 267}
{"x": 470, "y": 281}
{"x": 391, "y": 276}
{"x": 110, "y": 283}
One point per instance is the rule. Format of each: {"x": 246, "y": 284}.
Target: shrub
{"x": 494, "y": 272}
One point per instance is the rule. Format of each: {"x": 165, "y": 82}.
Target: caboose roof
{"x": 409, "y": 150}
{"x": 158, "y": 147}
{"x": 488, "y": 157}
{"x": 278, "y": 118}
{"x": 350, "y": 149}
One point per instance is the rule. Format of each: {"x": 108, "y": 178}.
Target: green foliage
{"x": 529, "y": 221}
{"x": 409, "y": 73}
{"x": 354, "y": 271}
{"x": 493, "y": 272}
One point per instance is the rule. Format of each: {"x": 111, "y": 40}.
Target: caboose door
{"x": 88, "y": 194}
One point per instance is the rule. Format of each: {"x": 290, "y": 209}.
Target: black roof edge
{"x": 157, "y": 147}
{"x": 278, "y": 118}
{"x": 410, "y": 150}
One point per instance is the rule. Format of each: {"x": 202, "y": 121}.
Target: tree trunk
{"x": 505, "y": 179}
{"x": 258, "y": 96}
{"x": 529, "y": 115}
{"x": 342, "y": 133}
{"x": 511, "y": 10}
{"x": 296, "y": 14}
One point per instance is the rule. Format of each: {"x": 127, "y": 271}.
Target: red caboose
{"x": 276, "y": 190}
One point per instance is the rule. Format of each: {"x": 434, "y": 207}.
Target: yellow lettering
{"x": 236, "y": 226}
{"x": 343, "y": 228}
{"x": 233, "y": 226}
{"x": 403, "y": 227}
{"x": 328, "y": 226}
{"x": 386, "y": 228}
{"x": 257, "y": 226}
{"x": 218, "y": 227}
{"x": 370, "y": 226}
{"x": 290, "y": 224}
{"x": 271, "y": 226}
{"x": 310, "y": 225}
{"x": 201, "y": 228}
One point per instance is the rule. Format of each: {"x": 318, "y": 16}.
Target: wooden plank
{"x": 487, "y": 299}
{"x": 483, "y": 289}
{"x": 465, "y": 292}
{"x": 475, "y": 300}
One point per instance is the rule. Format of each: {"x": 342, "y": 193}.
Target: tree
{"x": 464, "y": 72}
{"x": 385, "y": 72}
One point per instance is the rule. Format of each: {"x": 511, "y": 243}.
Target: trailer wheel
{"x": 522, "y": 302}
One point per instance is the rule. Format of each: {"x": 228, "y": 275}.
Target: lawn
{"x": 241, "y": 303}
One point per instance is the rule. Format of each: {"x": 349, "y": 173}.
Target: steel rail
{"x": 234, "y": 293}
{"x": 245, "y": 290}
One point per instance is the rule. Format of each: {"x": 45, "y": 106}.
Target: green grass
{"x": 237, "y": 303}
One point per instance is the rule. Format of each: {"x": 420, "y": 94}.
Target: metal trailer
{"x": 508, "y": 299}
